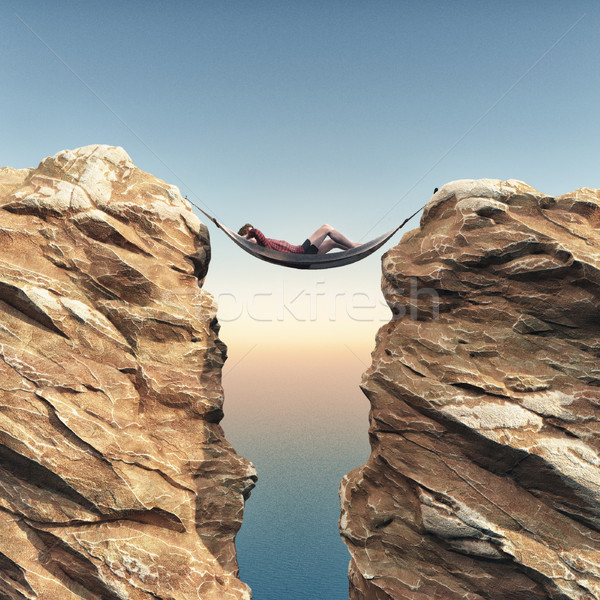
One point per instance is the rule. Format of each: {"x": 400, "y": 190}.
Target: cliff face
{"x": 484, "y": 478}
{"x": 115, "y": 478}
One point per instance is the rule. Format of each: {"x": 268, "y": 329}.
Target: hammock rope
{"x": 308, "y": 261}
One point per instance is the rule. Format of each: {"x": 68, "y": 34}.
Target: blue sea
{"x": 289, "y": 546}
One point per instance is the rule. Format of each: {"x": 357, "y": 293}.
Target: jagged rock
{"x": 116, "y": 481}
{"x": 484, "y": 478}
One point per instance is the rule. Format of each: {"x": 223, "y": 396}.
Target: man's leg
{"x": 342, "y": 240}
{"x": 320, "y": 234}
{"x": 328, "y": 245}
{"x": 327, "y": 230}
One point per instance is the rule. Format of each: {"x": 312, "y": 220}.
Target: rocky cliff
{"x": 484, "y": 478}
{"x": 116, "y": 481}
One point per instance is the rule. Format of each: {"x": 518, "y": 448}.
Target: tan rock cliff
{"x": 484, "y": 477}
{"x": 116, "y": 481}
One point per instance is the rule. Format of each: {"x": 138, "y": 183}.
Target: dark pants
{"x": 309, "y": 248}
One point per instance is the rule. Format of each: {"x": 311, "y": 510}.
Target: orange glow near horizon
{"x": 293, "y": 384}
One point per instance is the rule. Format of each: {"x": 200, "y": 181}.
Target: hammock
{"x": 308, "y": 261}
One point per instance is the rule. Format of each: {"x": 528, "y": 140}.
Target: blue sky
{"x": 273, "y": 103}
{"x": 291, "y": 114}
{"x": 294, "y": 114}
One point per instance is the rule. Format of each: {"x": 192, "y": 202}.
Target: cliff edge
{"x": 116, "y": 481}
{"x": 484, "y": 476}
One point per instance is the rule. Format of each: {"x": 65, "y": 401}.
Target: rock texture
{"x": 116, "y": 481}
{"x": 484, "y": 477}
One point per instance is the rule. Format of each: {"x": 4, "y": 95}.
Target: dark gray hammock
{"x": 308, "y": 261}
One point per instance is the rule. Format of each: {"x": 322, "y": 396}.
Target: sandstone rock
{"x": 115, "y": 480}
{"x": 484, "y": 477}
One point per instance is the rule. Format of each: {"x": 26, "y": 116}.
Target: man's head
{"x": 245, "y": 229}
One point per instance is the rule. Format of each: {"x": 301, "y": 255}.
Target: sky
{"x": 294, "y": 114}
{"x": 291, "y": 114}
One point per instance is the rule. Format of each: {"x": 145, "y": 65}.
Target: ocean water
{"x": 289, "y": 546}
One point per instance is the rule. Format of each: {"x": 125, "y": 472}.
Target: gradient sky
{"x": 293, "y": 114}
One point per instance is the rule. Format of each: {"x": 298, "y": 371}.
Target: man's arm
{"x": 258, "y": 235}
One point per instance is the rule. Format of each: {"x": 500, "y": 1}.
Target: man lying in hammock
{"x": 323, "y": 240}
